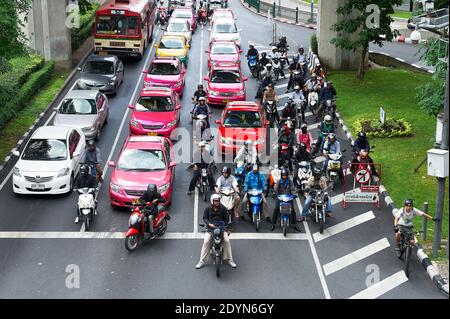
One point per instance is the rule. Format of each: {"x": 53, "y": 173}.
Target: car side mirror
{"x": 155, "y": 45}
{"x": 144, "y": 72}
{"x": 178, "y": 107}
{"x": 111, "y": 164}
{"x": 172, "y": 164}
{"x": 206, "y": 78}
{"x": 240, "y": 51}
{"x": 240, "y": 30}
{"x": 245, "y": 78}
{"x": 217, "y": 122}
{"x": 76, "y": 154}
{"x": 207, "y": 51}
{"x": 131, "y": 106}
{"x": 16, "y": 153}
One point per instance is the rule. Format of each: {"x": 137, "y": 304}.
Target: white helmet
{"x": 201, "y": 98}
{"x": 214, "y": 197}
{"x": 274, "y": 48}
{"x": 268, "y": 65}
{"x": 255, "y": 167}
{"x": 327, "y": 118}
{"x": 202, "y": 143}
{"x": 297, "y": 87}
{"x": 248, "y": 143}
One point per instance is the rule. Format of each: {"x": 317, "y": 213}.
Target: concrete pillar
{"x": 46, "y": 30}
{"x": 332, "y": 57}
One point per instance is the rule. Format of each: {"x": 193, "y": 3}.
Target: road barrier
{"x": 295, "y": 15}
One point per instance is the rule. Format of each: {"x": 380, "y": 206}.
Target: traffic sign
{"x": 362, "y": 176}
{"x": 382, "y": 116}
{"x": 361, "y": 197}
{"x": 370, "y": 188}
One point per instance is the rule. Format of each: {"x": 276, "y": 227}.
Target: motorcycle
{"x": 274, "y": 178}
{"x": 304, "y": 173}
{"x": 330, "y": 108}
{"x": 227, "y": 200}
{"x": 139, "y": 229}
{"x": 203, "y": 17}
{"x": 286, "y": 209}
{"x": 240, "y": 172}
{"x": 283, "y": 155}
{"x": 271, "y": 110}
{"x": 276, "y": 66}
{"x": 255, "y": 206}
{"x": 297, "y": 78}
{"x": 203, "y": 183}
{"x": 217, "y": 248}
{"x": 87, "y": 205}
{"x": 313, "y": 102}
{"x": 163, "y": 16}
{"x": 224, "y": 4}
{"x": 300, "y": 106}
{"x": 201, "y": 125}
{"x": 318, "y": 208}
{"x": 253, "y": 66}
{"x": 334, "y": 168}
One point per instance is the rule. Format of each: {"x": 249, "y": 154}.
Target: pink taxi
{"x": 225, "y": 83}
{"x": 223, "y": 51}
{"x": 166, "y": 72}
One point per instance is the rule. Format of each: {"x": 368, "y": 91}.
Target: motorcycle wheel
{"x": 204, "y": 193}
{"x": 87, "y": 222}
{"x": 131, "y": 242}
{"x": 217, "y": 262}
{"x": 162, "y": 228}
{"x": 284, "y": 229}
{"x": 256, "y": 222}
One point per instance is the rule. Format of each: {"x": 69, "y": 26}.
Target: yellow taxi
{"x": 173, "y": 46}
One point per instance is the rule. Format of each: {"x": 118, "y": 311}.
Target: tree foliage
{"x": 355, "y": 19}
{"x": 431, "y": 95}
{"x": 85, "y": 6}
{"x": 12, "y": 38}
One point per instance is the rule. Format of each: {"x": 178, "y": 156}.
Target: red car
{"x": 225, "y": 83}
{"x": 166, "y": 72}
{"x": 155, "y": 112}
{"x": 143, "y": 160}
{"x": 241, "y": 121}
{"x": 188, "y": 14}
{"x": 223, "y": 51}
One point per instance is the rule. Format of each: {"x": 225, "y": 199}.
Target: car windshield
{"x": 117, "y": 25}
{"x": 164, "y": 69}
{"x": 225, "y": 76}
{"x": 45, "y": 150}
{"x": 225, "y": 28}
{"x": 223, "y": 49}
{"x": 154, "y": 104}
{"x": 99, "y": 67}
{"x": 141, "y": 160}
{"x": 78, "y": 106}
{"x": 171, "y": 44}
{"x": 177, "y": 27}
{"x": 242, "y": 119}
{"x": 182, "y": 14}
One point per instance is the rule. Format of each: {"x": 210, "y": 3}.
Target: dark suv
{"x": 101, "y": 72}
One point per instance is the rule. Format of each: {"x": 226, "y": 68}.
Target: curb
{"x": 403, "y": 61}
{"x": 30, "y": 130}
{"x": 432, "y": 272}
{"x": 300, "y": 24}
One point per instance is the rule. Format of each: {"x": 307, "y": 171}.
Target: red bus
{"x": 124, "y": 27}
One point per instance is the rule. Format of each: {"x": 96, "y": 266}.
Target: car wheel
{"x": 97, "y": 136}
{"x": 71, "y": 183}
{"x": 106, "y": 117}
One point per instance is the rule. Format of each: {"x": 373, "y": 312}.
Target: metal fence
{"x": 295, "y": 15}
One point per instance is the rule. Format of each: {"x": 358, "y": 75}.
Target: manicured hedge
{"x": 14, "y": 99}
{"x": 391, "y": 128}
{"x": 85, "y": 31}
{"x": 21, "y": 68}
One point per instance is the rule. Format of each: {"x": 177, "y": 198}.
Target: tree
{"x": 369, "y": 19}
{"x": 431, "y": 95}
{"x": 12, "y": 39}
{"x": 85, "y": 6}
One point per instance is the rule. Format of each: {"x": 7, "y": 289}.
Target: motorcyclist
{"x": 331, "y": 146}
{"x": 300, "y": 154}
{"x": 296, "y": 75}
{"x": 202, "y": 8}
{"x": 285, "y": 136}
{"x": 151, "y": 195}
{"x": 326, "y": 127}
{"x": 252, "y": 52}
{"x": 93, "y": 159}
{"x": 202, "y": 159}
{"x": 200, "y": 92}
{"x": 212, "y": 215}
{"x": 364, "y": 158}
{"x": 318, "y": 71}
{"x": 326, "y": 93}
{"x": 305, "y": 137}
{"x": 404, "y": 218}
{"x": 301, "y": 56}
{"x": 202, "y": 109}
{"x": 361, "y": 143}
{"x": 289, "y": 111}
{"x": 248, "y": 153}
{"x": 226, "y": 180}
{"x": 284, "y": 186}
{"x": 256, "y": 180}
{"x": 298, "y": 98}
{"x": 311, "y": 85}
{"x": 268, "y": 78}
{"x": 84, "y": 180}
{"x": 282, "y": 44}
{"x": 263, "y": 61}
{"x": 277, "y": 55}
{"x": 270, "y": 94}
{"x": 315, "y": 182}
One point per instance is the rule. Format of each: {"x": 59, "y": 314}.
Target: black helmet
{"x": 408, "y": 202}
{"x": 200, "y": 86}
{"x": 301, "y": 49}
{"x": 284, "y": 172}
{"x": 91, "y": 143}
{"x": 226, "y": 169}
{"x": 264, "y": 54}
{"x": 361, "y": 135}
{"x": 317, "y": 171}
{"x": 84, "y": 170}
{"x": 152, "y": 189}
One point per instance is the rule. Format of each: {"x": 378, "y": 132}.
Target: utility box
{"x": 437, "y": 162}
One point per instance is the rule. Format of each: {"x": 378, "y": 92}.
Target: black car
{"x": 101, "y": 72}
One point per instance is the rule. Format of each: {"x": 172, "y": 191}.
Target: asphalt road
{"x": 39, "y": 243}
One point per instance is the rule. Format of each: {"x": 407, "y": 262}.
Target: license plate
{"x": 37, "y": 187}
{"x": 226, "y": 101}
{"x": 152, "y": 133}
{"x": 103, "y": 53}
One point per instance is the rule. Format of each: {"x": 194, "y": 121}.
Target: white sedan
{"x": 49, "y": 162}
{"x": 224, "y": 29}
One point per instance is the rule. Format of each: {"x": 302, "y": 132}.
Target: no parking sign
{"x": 362, "y": 176}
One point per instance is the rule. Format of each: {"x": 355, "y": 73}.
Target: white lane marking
{"x": 323, "y": 282}
{"x": 382, "y": 287}
{"x": 121, "y": 235}
{"x": 196, "y": 211}
{"x": 6, "y": 179}
{"x": 281, "y": 86}
{"x": 355, "y": 256}
{"x": 339, "y": 228}
{"x": 313, "y": 126}
{"x": 201, "y": 59}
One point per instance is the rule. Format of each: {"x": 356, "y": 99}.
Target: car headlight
{"x": 213, "y": 92}
{"x": 178, "y": 84}
{"x": 112, "y": 83}
{"x": 16, "y": 171}
{"x": 241, "y": 92}
{"x": 63, "y": 172}
{"x": 227, "y": 141}
{"x": 260, "y": 141}
{"x": 134, "y": 123}
{"x": 171, "y": 124}
{"x": 147, "y": 84}
{"x": 163, "y": 188}
{"x": 115, "y": 188}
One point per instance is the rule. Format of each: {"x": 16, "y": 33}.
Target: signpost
{"x": 382, "y": 116}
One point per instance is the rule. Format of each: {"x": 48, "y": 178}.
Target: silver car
{"x": 179, "y": 26}
{"x": 83, "y": 109}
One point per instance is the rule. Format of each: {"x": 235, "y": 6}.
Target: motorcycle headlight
{"x": 16, "y": 171}
{"x": 134, "y": 123}
{"x": 63, "y": 172}
{"x": 134, "y": 219}
{"x": 115, "y": 188}
{"x": 171, "y": 124}
{"x": 163, "y": 188}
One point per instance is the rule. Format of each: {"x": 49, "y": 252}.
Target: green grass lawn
{"x": 14, "y": 130}
{"x": 394, "y": 90}
{"x": 402, "y": 14}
